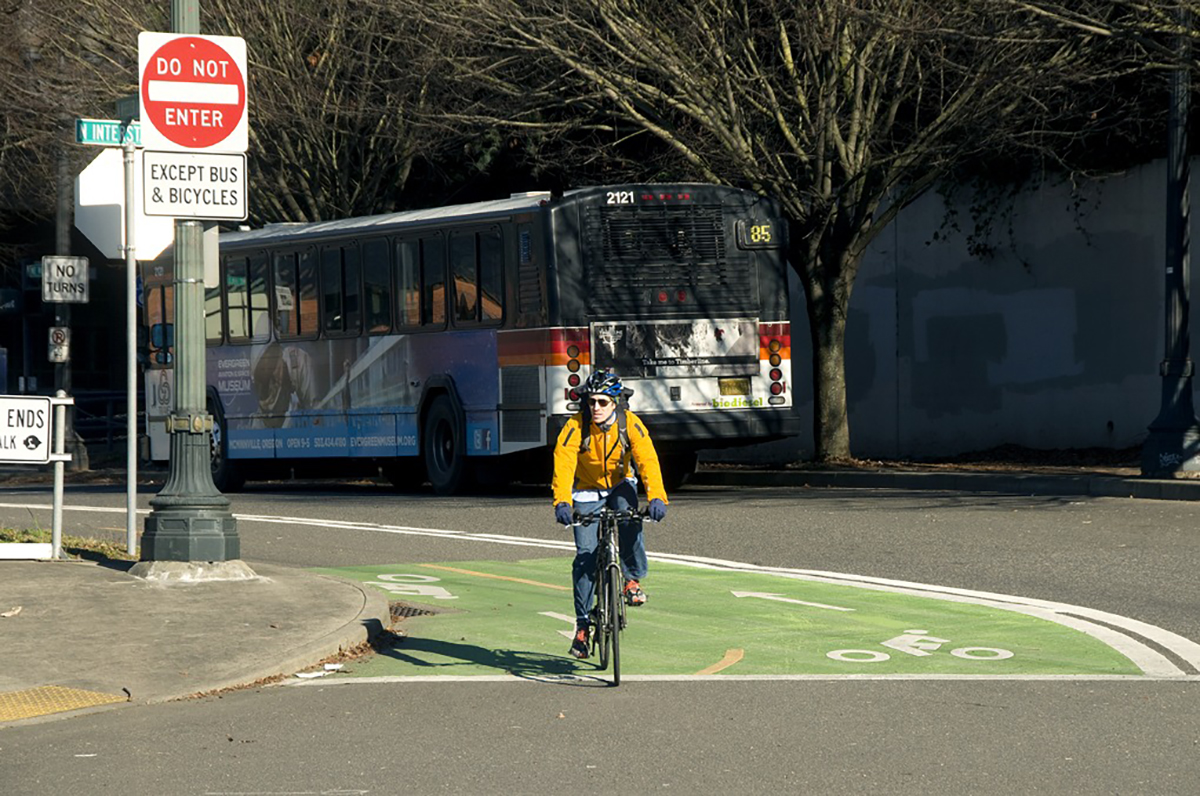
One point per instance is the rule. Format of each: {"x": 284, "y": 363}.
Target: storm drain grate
{"x": 405, "y": 611}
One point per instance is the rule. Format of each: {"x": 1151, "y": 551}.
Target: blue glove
{"x": 562, "y": 513}
{"x": 657, "y": 510}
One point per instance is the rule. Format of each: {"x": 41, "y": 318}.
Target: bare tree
{"x": 335, "y": 87}
{"x": 846, "y": 110}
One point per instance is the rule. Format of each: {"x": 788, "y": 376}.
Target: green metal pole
{"x": 190, "y": 520}
{"x": 1173, "y": 442}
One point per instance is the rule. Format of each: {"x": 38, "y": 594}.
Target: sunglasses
{"x": 599, "y": 402}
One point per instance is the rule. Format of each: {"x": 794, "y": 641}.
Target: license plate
{"x": 739, "y": 386}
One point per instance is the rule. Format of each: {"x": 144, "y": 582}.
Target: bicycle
{"x": 607, "y": 617}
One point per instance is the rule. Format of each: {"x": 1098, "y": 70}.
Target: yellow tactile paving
{"x": 47, "y": 699}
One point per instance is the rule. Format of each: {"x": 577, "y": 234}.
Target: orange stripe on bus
{"x": 540, "y": 359}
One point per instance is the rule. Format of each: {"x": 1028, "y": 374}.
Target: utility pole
{"x": 190, "y": 533}
{"x": 1173, "y": 443}
{"x": 62, "y": 310}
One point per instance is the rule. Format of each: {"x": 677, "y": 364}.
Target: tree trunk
{"x": 828, "y": 273}
{"x": 831, "y": 423}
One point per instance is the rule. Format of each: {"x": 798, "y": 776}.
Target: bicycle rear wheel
{"x": 614, "y": 619}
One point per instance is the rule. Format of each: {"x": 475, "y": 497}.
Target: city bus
{"x": 446, "y": 345}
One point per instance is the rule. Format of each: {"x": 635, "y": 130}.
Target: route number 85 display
{"x": 758, "y": 235}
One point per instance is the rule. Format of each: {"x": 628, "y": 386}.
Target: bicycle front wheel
{"x": 614, "y": 620}
{"x": 604, "y": 609}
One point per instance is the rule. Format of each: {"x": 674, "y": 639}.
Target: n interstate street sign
{"x": 107, "y": 132}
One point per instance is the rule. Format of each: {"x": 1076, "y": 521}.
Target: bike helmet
{"x": 603, "y": 382}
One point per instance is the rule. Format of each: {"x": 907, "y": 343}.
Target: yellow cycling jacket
{"x": 604, "y": 465}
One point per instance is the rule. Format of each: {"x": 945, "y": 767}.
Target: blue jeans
{"x": 587, "y": 539}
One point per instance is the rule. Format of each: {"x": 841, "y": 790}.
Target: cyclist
{"x": 592, "y": 469}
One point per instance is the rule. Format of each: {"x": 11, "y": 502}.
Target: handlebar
{"x": 619, "y": 516}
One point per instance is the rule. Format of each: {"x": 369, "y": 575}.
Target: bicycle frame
{"x": 608, "y": 613}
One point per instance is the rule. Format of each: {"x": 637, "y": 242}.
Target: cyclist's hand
{"x": 562, "y": 513}
{"x": 657, "y": 510}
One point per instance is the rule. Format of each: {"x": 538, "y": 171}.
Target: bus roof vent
{"x": 531, "y": 195}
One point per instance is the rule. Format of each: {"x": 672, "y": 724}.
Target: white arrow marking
{"x": 782, "y": 599}
{"x": 568, "y": 619}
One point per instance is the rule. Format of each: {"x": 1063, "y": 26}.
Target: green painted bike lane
{"x": 490, "y": 618}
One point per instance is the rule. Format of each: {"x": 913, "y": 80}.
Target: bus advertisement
{"x": 446, "y": 345}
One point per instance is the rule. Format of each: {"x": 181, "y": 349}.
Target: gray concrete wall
{"x": 1051, "y": 340}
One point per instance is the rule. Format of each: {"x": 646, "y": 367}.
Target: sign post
{"x": 26, "y": 425}
{"x": 193, "y": 101}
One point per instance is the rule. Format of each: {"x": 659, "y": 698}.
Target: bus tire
{"x": 677, "y": 468}
{"x": 444, "y": 446}
{"x": 226, "y": 475}
{"x": 405, "y": 475}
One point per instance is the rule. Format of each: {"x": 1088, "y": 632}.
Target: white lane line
{"x": 782, "y": 599}
{"x": 1126, "y": 635}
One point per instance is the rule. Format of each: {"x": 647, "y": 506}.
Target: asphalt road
{"x": 1130, "y": 557}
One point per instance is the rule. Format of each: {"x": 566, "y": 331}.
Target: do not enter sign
{"x": 193, "y": 92}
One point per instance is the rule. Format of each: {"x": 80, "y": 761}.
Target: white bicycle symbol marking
{"x": 918, "y": 643}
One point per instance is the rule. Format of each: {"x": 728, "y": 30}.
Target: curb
{"x": 1083, "y": 486}
{"x": 373, "y": 618}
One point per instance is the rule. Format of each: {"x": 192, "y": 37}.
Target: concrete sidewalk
{"x": 89, "y": 636}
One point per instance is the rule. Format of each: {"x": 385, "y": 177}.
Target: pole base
{"x": 190, "y": 533}
{"x": 192, "y": 571}
{"x": 1169, "y": 451}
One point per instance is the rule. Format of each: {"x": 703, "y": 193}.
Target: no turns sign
{"x": 193, "y": 92}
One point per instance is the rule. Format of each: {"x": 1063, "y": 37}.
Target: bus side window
{"x": 464, "y": 266}
{"x": 308, "y": 293}
{"x": 214, "y": 330}
{"x": 433, "y": 281}
{"x": 408, "y": 283}
{"x": 260, "y": 304}
{"x": 529, "y": 276}
{"x": 296, "y": 294}
{"x": 352, "y": 288}
{"x": 287, "y": 319}
{"x": 377, "y": 285}
{"x": 341, "y": 312}
{"x": 237, "y": 299}
{"x": 491, "y": 270}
